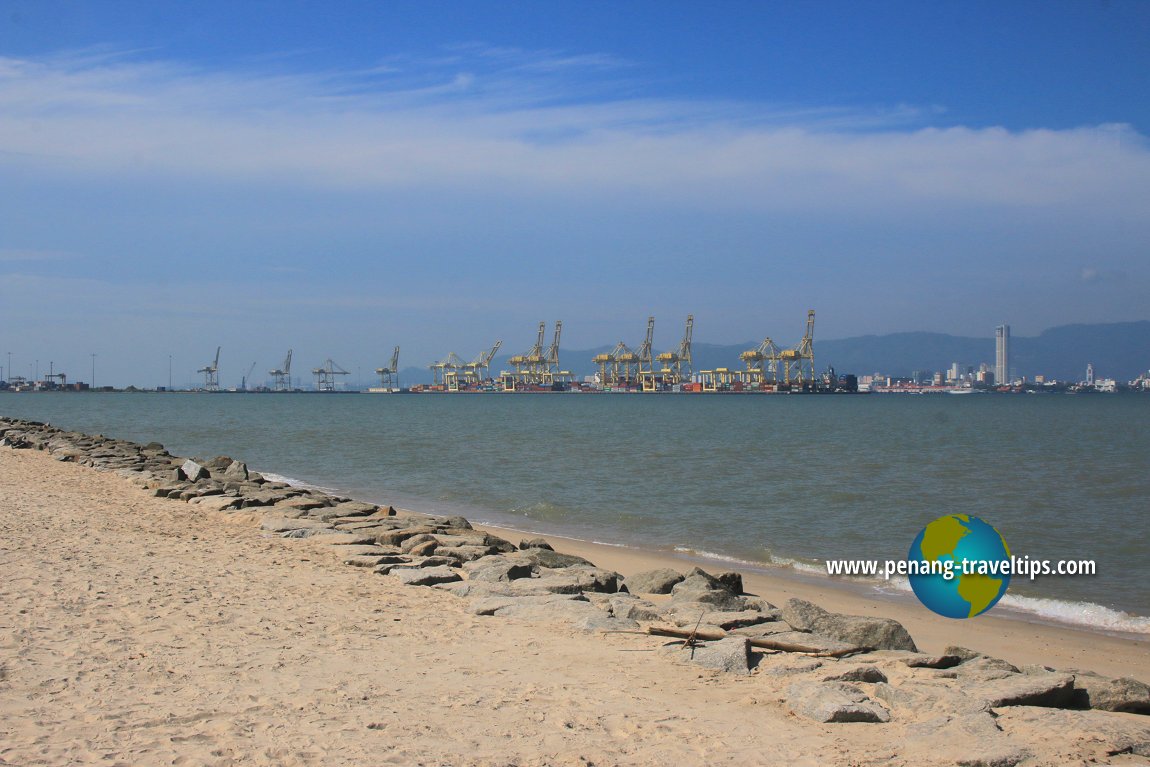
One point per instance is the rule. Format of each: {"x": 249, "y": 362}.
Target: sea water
{"x": 779, "y": 481}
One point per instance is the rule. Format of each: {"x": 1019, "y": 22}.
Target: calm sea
{"x": 763, "y": 480}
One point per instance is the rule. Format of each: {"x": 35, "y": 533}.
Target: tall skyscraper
{"x": 1002, "y": 355}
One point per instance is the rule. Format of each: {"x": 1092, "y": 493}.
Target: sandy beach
{"x": 137, "y": 630}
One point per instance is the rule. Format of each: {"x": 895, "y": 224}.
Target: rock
{"x": 734, "y": 620}
{"x": 283, "y": 525}
{"x": 731, "y": 581}
{"x": 1105, "y": 694}
{"x": 580, "y": 614}
{"x": 865, "y": 673}
{"x": 456, "y": 523}
{"x": 550, "y": 559}
{"x": 817, "y": 643}
{"x": 496, "y": 569}
{"x": 192, "y": 471}
{"x": 833, "y": 702}
{"x": 731, "y": 655}
{"x": 573, "y": 580}
{"x": 769, "y": 628}
{"x": 785, "y": 664}
{"x": 435, "y": 562}
{"x": 355, "y": 508}
{"x": 962, "y": 652}
{"x": 397, "y": 537}
{"x": 984, "y": 668}
{"x": 871, "y": 633}
{"x": 489, "y": 605}
{"x": 300, "y": 503}
{"x": 929, "y": 697}
{"x": 703, "y": 588}
{"x": 970, "y": 740}
{"x": 363, "y": 550}
{"x": 416, "y": 540}
{"x": 802, "y": 614}
{"x": 426, "y": 549}
{"x": 535, "y": 543}
{"x": 219, "y": 463}
{"x": 368, "y": 560}
{"x": 1098, "y": 736}
{"x": 236, "y": 471}
{"x": 427, "y": 576}
{"x": 932, "y": 661}
{"x": 342, "y": 539}
{"x": 1053, "y": 691}
{"x": 464, "y": 553}
{"x": 653, "y": 581}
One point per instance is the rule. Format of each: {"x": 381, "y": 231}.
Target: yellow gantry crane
{"x": 799, "y": 363}
{"x": 537, "y": 367}
{"x": 281, "y": 376}
{"x": 446, "y": 371}
{"x": 762, "y": 364}
{"x": 478, "y": 370}
{"x": 673, "y": 363}
{"x": 389, "y": 376}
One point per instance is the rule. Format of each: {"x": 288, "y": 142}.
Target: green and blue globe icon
{"x": 946, "y": 544}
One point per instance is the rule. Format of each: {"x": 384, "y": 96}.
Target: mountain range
{"x": 1119, "y": 350}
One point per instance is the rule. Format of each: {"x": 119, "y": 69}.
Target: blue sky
{"x": 343, "y": 177}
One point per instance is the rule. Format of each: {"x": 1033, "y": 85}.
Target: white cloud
{"x": 487, "y": 119}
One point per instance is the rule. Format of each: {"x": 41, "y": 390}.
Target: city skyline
{"x": 340, "y": 179}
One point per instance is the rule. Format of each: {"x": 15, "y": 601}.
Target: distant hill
{"x": 1118, "y": 350}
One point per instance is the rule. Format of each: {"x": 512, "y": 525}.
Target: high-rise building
{"x": 1002, "y": 354}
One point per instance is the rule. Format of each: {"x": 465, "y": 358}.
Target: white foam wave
{"x": 273, "y": 477}
{"x": 1086, "y": 614}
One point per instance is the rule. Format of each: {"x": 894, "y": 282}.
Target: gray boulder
{"x": 834, "y": 702}
{"x": 535, "y": 543}
{"x": 1105, "y": 694}
{"x": 864, "y": 631}
{"x": 426, "y": 576}
{"x": 653, "y": 581}
{"x": 550, "y": 559}
{"x": 496, "y": 569}
{"x": 731, "y": 655}
{"x": 192, "y": 471}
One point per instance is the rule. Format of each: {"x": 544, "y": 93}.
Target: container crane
{"x": 762, "y": 363}
{"x": 389, "y": 376}
{"x": 281, "y": 376}
{"x": 646, "y": 364}
{"x": 446, "y": 370}
{"x": 478, "y": 369}
{"x": 325, "y": 375}
{"x": 211, "y": 373}
{"x": 799, "y": 363}
{"x": 672, "y": 363}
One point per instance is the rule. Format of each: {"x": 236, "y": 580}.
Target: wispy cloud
{"x": 537, "y": 122}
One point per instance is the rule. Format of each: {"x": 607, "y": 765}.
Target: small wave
{"x": 703, "y": 554}
{"x": 273, "y": 477}
{"x": 1086, "y": 614}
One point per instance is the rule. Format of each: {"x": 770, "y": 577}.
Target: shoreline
{"x": 769, "y": 572}
{"x": 1019, "y": 641}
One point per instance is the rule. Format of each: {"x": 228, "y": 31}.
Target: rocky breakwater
{"x": 957, "y": 707}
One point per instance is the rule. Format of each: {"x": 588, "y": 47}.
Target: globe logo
{"x": 959, "y": 566}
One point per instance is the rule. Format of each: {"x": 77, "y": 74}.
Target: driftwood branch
{"x": 763, "y": 642}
